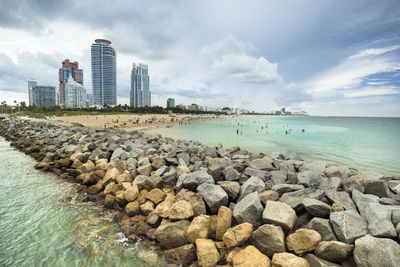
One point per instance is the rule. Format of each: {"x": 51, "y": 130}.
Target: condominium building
{"x": 170, "y": 103}
{"x": 75, "y": 94}
{"x": 89, "y": 100}
{"x": 31, "y": 83}
{"x": 44, "y": 96}
{"x": 140, "y": 95}
{"x": 68, "y": 69}
{"x": 104, "y": 73}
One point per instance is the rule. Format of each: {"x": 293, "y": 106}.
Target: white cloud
{"x": 372, "y": 91}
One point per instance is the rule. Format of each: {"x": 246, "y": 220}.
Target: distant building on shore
{"x": 104, "y": 73}
{"x": 74, "y": 94}
{"x": 31, "y": 83}
{"x": 89, "y": 100}
{"x": 140, "y": 95}
{"x": 68, "y": 69}
{"x": 44, "y": 96}
{"x": 170, "y": 103}
{"x": 193, "y": 107}
{"x": 181, "y": 106}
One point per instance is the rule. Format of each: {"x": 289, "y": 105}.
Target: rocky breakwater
{"x": 210, "y": 206}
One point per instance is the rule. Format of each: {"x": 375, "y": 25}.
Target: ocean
{"x": 357, "y": 142}
{"x": 40, "y": 226}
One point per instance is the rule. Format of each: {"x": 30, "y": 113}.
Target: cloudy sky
{"x": 337, "y": 57}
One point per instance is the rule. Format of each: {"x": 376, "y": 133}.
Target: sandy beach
{"x": 133, "y": 121}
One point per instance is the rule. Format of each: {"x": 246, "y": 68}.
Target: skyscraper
{"x": 140, "y": 86}
{"x": 170, "y": 103}
{"x": 75, "y": 94}
{"x": 67, "y": 69}
{"x": 44, "y": 96}
{"x": 31, "y": 83}
{"x": 104, "y": 75}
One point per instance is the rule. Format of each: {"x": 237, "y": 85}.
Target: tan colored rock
{"x": 232, "y": 252}
{"x": 224, "y": 221}
{"x": 124, "y": 177}
{"x": 111, "y": 188}
{"x": 237, "y": 235}
{"x": 109, "y": 201}
{"x": 334, "y": 251}
{"x": 132, "y": 208}
{"x": 285, "y": 259}
{"x": 126, "y": 185}
{"x": 111, "y": 175}
{"x": 145, "y": 170}
{"x": 207, "y": 253}
{"x": 180, "y": 210}
{"x": 333, "y": 171}
{"x": 183, "y": 255}
{"x": 337, "y": 207}
{"x": 142, "y": 196}
{"x": 146, "y": 208}
{"x": 251, "y": 257}
{"x": 398, "y": 228}
{"x": 268, "y": 195}
{"x": 358, "y": 176}
{"x": 76, "y": 164}
{"x": 157, "y": 162}
{"x": 199, "y": 228}
{"x": 303, "y": 241}
{"x": 132, "y": 193}
{"x": 156, "y": 195}
{"x": 76, "y": 156}
{"x": 120, "y": 196}
{"x": 95, "y": 189}
{"x": 181, "y": 170}
{"x": 279, "y": 213}
{"x": 163, "y": 208}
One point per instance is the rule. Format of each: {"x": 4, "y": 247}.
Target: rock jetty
{"x": 211, "y": 206}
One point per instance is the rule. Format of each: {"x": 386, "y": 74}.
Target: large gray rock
{"x": 269, "y": 239}
{"x": 285, "y": 188}
{"x": 323, "y": 227}
{"x": 169, "y": 178}
{"x": 315, "y": 166}
{"x": 261, "y": 164}
{"x": 280, "y": 214}
{"x": 116, "y": 154}
{"x": 379, "y": 219}
{"x": 378, "y": 188}
{"x": 395, "y": 214}
{"x": 193, "y": 180}
{"x": 363, "y": 201}
{"x": 253, "y": 184}
{"x": 231, "y": 188}
{"x": 342, "y": 198}
{"x": 317, "y": 208}
{"x": 310, "y": 178}
{"x": 278, "y": 177}
{"x": 350, "y": 184}
{"x": 295, "y": 199}
{"x": 370, "y": 251}
{"x": 184, "y": 158}
{"x": 333, "y": 251}
{"x": 264, "y": 175}
{"x": 231, "y": 174}
{"x": 314, "y": 261}
{"x": 330, "y": 184}
{"x": 348, "y": 225}
{"x": 249, "y": 209}
{"x": 214, "y": 196}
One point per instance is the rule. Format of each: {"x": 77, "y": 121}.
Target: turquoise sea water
{"x": 362, "y": 143}
{"x": 39, "y": 228}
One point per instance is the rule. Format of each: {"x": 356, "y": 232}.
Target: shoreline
{"x": 210, "y": 205}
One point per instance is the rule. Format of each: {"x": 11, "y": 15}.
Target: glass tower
{"x": 104, "y": 76}
{"x": 31, "y": 83}
{"x": 140, "y": 86}
{"x": 44, "y": 96}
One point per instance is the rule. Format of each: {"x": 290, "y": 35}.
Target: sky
{"x": 327, "y": 57}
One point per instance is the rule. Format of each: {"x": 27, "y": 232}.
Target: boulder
{"x": 334, "y": 251}
{"x": 110, "y": 176}
{"x": 263, "y": 175}
{"x": 109, "y": 201}
{"x": 378, "y": 188}
{"x": 163, "y": 208}
{"x": 285, "y": 259}
{"x": 278, "y": 177}
{"x": 363, "y": 201}
{"x": 158, "y": 162}
{"x": 349, "y": 184}
{"x": 342, "y": 198}
{"x": 116, "y": 154}
{"x": 285, "y": 188}
{"x": 183, "y": 255}
{"x": 145, "y": 170}
{"x": 172, "y": 235}
{"x": 249, "y": 209}
{"x": 193, "y": 180}
{"x": 156, "y": 195}
{"x": 261, "y": 164}
{"x": 215, "y": 170}
{"x": 303, "y": 241}
{"x": 180, "y": 210}
{"x": 269, "y": 239}
{"x": 317, "y": 208}
{"x": 231, "y": 188}
{"x": 132, "y": 208}
{"x": 146, "y": 208}
{"x": 237, "y": 235}
{"x": 372, "y": 251}
{"x": 330, "y": 184}
{"x": 332, "y": 171}
{"x": 379, "y": 219}
{"x": 250, "y": 256}
{"x": 253, "y": 184}
{"x": 207, "y": 253}
{"x": 314, "y": 261}
{"x": 199, "y": 228}
{"x": 310, "y": 179}
{"x": 139, "y": 181}
{"x": 231, "y": 174}
{"x": 295, "y": 199}
{"x": 348, "y": 225}
{"x": 170, "y": 178}
{"x": 280, "y": 214}
{"x": 323, "y": 227}
{"x": 224, "y": 221}
{"x": 132, "y": 193}
{"x": 214, "y": 196}
{"x": 268, "y": 195}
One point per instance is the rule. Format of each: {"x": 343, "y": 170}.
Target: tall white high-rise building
{"x": 31, "y": 83}
{"x": 75, "y": 94}
{"x": 140, "y": 86}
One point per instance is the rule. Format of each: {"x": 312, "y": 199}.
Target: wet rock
{"x": 172, "y": 235}
{"x": 180, "y": 210}
{"x": 379, "y": 219}
{"x": 303, "y": 240}
{"x": 224, "y": 221}
{"x": 237, "y": 235}
{"x": 197, "y": 178}
{"x": 342, "y": 198}
{"x": 334, "y": 251}
{"x": 253, "y": 184}
{"x": 372, "y": 251}
{"x": 231, "y": 188}
{"x": 199, "y": 228}
{"x": 285, "y": 259}
{"x": 348, "y": 225}
{"x": 214, "y": 196}
{"x": 109, "y": 201}
{"x": 269, "y": 239}
{"x": 316, "y": 208}
{"x": 183, "y": 255}
{"x": 207, "y": 253}
{"x": 249, "y": 209}
{"x": 323, "y": 227}
{"x": 250, "y": 256}
{"x": 280, "y": 214}
{"x": 132, "y": 208}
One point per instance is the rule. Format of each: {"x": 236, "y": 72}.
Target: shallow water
{"x": 362, "y": 143}
{"x": 38, "y": 227}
